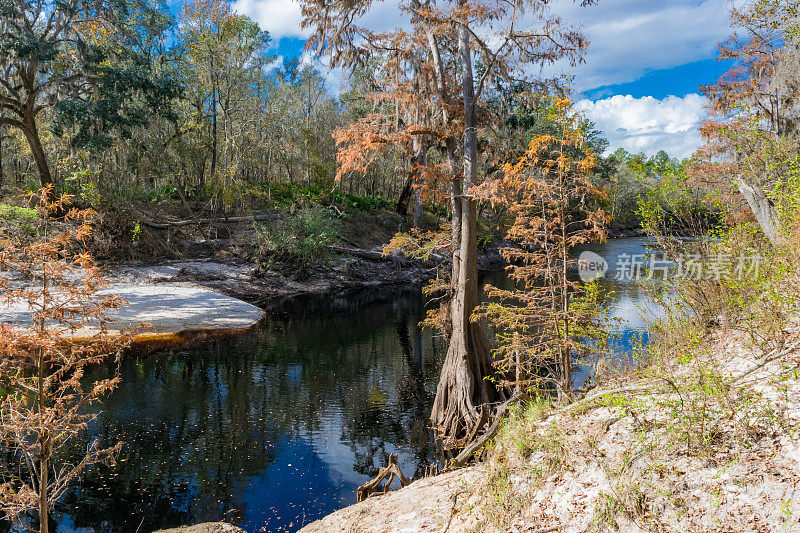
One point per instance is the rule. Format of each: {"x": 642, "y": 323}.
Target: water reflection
{"x": 270, "y": 430}
{"x": 628, "y": 303}
{"x": 275, "y": 429}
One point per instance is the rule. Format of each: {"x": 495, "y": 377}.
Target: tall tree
{"x": 542, "y": 322}
{"x": 437, "y": 50}
{"x": 57, "y": 55}
{"x": 754, "y": 119}
{"x": 225, "y": 56}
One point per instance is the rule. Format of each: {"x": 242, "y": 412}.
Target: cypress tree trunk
{"x": 420, "y": 153}
{"x": 455, "y": 205}
{"x": 401, "y": 207}
{"x": 462, "y": 388}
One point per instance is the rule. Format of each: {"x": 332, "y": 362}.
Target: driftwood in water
{"x": 390, "y": 470}
{"x": 224, "y": 220}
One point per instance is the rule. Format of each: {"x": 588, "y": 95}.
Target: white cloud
{"x": 335, "y": 78}
{"x": 630, "y": 37}
{"x": 648, "y": 124}
{"x": 281, "y": 18}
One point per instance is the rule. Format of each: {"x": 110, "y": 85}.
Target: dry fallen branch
{"x": 647, "y": 387}
{"x": 224, "y": 220}
{"x": 364, "y": 254}
{"x": 768, "y": 359}
{"x": 476, "y": 445}
{"x": 390, "y": 470}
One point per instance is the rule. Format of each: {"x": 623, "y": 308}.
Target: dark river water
{"x": 277, "y": 428}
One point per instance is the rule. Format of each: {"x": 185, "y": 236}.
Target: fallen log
{"x": 224, "y": 220}
{"x": 390, "y": 470}
{"x": 381, "y": 257}
{"x": 365, "y": 254}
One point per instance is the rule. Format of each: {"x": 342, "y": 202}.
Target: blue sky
{"x": 290, "y": 46}
{"x": 640, "y": 83}
{"x": 680, "y": 80}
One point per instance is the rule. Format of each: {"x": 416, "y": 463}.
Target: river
{"x": 274, "y": 429}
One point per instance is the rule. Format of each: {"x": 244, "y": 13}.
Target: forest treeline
{"x": 124, "y": 105}
{"x": 126, "y": 101}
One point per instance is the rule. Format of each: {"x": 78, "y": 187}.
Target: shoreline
{"x": 272, "y": 290}
{"x": 275, "y": 291}
{"x": 195, "y": 300}
{"x": 612, "y": 459}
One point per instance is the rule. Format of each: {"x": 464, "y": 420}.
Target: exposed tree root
{"x": 476, "y": 445}
{"x": 463, "y": 387}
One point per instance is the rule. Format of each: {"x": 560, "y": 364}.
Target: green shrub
{"x": 154, "y": 195}
{"x": 13, "y": 212}
{"x": 362, "y": 203}
{"x": 301, "y": 239}
{"x": 786, "y": 195}
{"x": 289, "y": 195}
{"x": 757, "y": 293}
{"x": 740, "y": 283}
{"x": 673, "y": 207}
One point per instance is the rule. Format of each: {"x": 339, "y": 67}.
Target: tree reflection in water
{"x": 269, "y": 430}
{"x": 276, "y": 428}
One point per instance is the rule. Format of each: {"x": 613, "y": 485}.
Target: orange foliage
{"x": 555, "y": 209}
{"x": 751, "y": 110}
{"x": 416, "y": 82}
{"x": 54, "y": 281}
